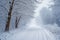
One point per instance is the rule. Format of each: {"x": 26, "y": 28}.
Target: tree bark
{"x": 9, "y": 17}
{"x": 17, "y": 21}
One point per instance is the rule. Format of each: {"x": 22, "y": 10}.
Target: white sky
{"x": 44, "y": 3}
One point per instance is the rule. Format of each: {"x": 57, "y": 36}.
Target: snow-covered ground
{"x": 30, "y": 34}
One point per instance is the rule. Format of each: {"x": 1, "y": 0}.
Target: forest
{"x": 29, "y": 19}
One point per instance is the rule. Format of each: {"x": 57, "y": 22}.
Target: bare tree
{"x": 9, "y": 16}
{"x": 17, "y": 21}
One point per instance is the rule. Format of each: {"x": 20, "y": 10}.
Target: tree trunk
{"x": 9, "y": 17}
{"x": 17, "y": 21}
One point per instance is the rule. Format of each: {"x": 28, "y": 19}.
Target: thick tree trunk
{"x": 9, "y": 17}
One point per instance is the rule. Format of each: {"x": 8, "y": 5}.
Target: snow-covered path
{"x": 32, "y": 34}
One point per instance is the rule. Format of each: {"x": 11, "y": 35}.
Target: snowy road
{"x": 32, "y": 34}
